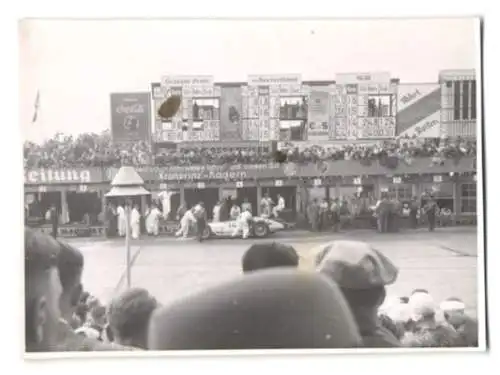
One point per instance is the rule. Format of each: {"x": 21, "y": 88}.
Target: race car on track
{"x": 260, "y": 227}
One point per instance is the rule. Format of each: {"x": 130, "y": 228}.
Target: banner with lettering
{"x": 131, "y": 117}
{"x": 53, "y": 176}
{"x": 230, "y": 113}
{"x": 418, "y": 111}
{"x": 318, "y": 115}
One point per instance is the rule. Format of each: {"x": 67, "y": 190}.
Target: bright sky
{"x": 77, "y": 64}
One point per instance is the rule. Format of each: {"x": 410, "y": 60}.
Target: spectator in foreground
{"x": 426, "y": 332}
{"x": 362, "y": 274}
{"x": 269, "y": 255}
{"x": 129, "y": 315}
{"x": 466, "y": 327}
{"x": 263, "y": 310}
{"x": 42, "y": 289}
{"x": 70, "y": 266}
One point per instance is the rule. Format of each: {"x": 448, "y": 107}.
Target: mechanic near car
{"x": 201, "y": 220}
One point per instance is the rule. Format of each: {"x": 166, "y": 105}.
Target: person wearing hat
{"x": 430, "y": 209}
{"x": 269, "y": 255}
{"x": 454, "y": 312}
{"x": 42, "y": 290}
{"x": 362, "y": 274}
{"x": 426, "y": 332}
{"x": 129, "y": 315}
{"x": 269, "y": 309}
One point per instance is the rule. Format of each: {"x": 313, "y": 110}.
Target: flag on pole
{"x": 37, "y": 104}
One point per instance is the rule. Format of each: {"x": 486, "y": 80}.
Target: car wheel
{"x": 260, "y": 230}
{"x": 207, "y": 233}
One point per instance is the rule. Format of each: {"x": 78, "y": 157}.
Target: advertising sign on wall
{"x": 318, "y": 115}
{"x": 363, "y": 78}
{"x": 274, "y": 80}
{"x": 418, "y": 110}
{"x": 131, "y": 116}
{"x": 173, "y": 81}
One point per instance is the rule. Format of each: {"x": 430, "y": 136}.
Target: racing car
{"x": 260, "y": 227}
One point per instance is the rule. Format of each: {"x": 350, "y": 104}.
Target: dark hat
{"x": 268, "y": 309}
{"x": 355, "y": 265}
{"x": 269, "y": 255}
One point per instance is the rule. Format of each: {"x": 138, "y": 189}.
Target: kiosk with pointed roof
{"x": 127, "y": 183}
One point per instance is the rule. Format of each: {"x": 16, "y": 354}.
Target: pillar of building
{"x": 64, "y": 207}
{"x": 259, "y": 198}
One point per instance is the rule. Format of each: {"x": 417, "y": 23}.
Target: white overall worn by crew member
{"x": 186, "y": 222}
{"x": 243, "y": 224}
{"x": 135, "y": 222}
{"x": 122, "y": 220}
{"x": 153, "y": 221}
{"x": 279, "y": 207}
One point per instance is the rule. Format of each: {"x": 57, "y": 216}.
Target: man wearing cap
{"x": 269, "y": 255}
{"x": 129, "y": 316}
{"x": 362, "y": 274}
{"x": 263, "y": 310}
{"x": 467, "y": 327}
{"x": 42, "y": 290}
{"x": 426, "y": 332}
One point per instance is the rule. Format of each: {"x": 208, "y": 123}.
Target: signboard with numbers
{"x": 437, "y": 178}
{"x": 317, "y": 182}
{"x": 357, "y": 180}
{"x": 82, "y": 188}
{"x": 278, "y": 183}
{"x": 396, "y": 180}
{"x": 239, "y": 184}
{"x": 42, "y": 189}
{"x": 200, "y": 185}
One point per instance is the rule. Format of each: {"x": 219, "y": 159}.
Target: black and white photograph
{"x": 252, "y": 185}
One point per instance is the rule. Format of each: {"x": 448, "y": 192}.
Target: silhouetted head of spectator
{"x": 70, "y": 265}
{"x": 362, "y": 273}
{"x": 415, "y": 291}
{"x": 263, "y": 310}
{"x": 269, "y": 255}
{"x": 129, "y": 315}
{"x": 42, "y": 292}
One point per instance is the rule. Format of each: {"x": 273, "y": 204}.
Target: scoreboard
{"x": 364, "y": 106}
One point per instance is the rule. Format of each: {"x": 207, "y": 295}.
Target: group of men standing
{"x": 116, "y": 220}
{"x": 388, "y": 212}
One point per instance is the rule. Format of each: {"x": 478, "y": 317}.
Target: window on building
{"x": 456, "y": 102}
{"x": 293, "y": 108}
{"x": 380, "y": 106}
{"x": 443, "y": 194}
{"x": 205, "y": 109}
{"x": 473, "y": 100}
{"x": 403, "y": 193}
{"x": 468, "y": 193}
{"x": 465, "y": 100}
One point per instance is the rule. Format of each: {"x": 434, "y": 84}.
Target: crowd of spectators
{"x": 261, "y": 309}
{"x": 98, "y": 150}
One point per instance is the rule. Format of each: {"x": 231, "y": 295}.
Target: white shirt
{"x": 245, "y": 216}
{"x": 281, "y": 203}
{"x": 135, "y": 216}
{"x": 121, "y": 212}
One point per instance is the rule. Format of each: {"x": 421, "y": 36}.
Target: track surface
{"x": 443, "y": 262}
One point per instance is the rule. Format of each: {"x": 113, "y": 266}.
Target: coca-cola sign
{"x": 131, "y": 116}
